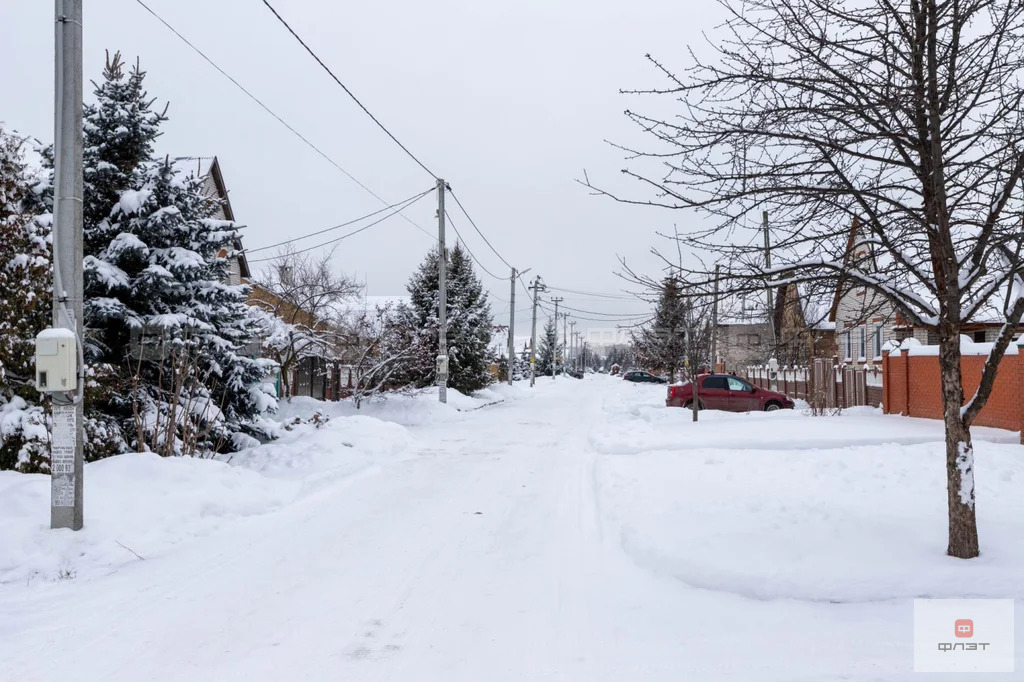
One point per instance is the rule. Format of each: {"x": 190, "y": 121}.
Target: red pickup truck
{"x": 728, "y": 393}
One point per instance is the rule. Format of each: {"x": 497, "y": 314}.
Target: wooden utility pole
{"x": 714, "y": 324}
{"x": 768, "y": 278}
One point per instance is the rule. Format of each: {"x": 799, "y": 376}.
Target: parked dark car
{"x": 728, "y": 393}
{"x": 642, "y": 377}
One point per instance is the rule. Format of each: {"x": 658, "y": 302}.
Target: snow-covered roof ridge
{"x": 196, "y": 166}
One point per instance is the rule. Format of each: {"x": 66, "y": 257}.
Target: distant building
{"x": 804, "y": 328}
{"x": 743, "y": 334}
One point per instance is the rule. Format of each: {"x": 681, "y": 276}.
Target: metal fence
{"x": 825, "y": 383}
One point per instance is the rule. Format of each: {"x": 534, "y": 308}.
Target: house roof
{"x": 201, "y": 167}
{"x": 815, "y": 306}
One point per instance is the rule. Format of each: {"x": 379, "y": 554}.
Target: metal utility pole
{"x": 66, "y": 462}
{"x": 714, "y": 325}
{"x": 442, "y": 299}
{"x": 536, "y": 287}
{"x": 554, "y": 360}
{"x": 768, "y": 286}
{"x": 565, "y": 356}
{"x": 512, "y": 323}
{"x": 512, "y": 328}
{"x": 572, "y": 344}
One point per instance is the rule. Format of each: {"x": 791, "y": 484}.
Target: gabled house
{"x": 804, "y": 329}
{"x": 207, "y": 169}
{"x": 865, "y": 321}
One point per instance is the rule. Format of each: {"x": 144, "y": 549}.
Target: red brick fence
{"x": 912, "y": 388}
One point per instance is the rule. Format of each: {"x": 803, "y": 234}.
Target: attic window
{"x": 979, "y": 336}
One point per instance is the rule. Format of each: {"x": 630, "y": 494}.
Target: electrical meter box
{"x": 56, "y": 360}
{"x": 442, "y": 364}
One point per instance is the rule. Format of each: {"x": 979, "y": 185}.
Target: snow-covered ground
{"x": 577, "y": 531}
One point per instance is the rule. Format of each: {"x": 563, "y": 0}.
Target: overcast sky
{"x": 509, "y": 102}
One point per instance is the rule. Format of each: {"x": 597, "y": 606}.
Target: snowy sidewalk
{"x": 577, "y": 532}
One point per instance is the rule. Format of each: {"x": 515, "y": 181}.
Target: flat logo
{"x": 945, "y": 641}
{"x": 964, "y": 627}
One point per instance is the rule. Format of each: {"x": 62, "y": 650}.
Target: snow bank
{"x": 414, "y": 408}
{"x": 142, "y": 501}
{"x": 843, "y": 525}
{"x": 145, "y": 504}
{"x": 784, "y": 505}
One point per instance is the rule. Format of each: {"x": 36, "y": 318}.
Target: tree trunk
{"x": 963, "y": 526}
{"x": 286, "y": 384}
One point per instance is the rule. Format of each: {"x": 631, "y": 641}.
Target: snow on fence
{"x": 826, "y": 382}
{"x": 912, "y": 386}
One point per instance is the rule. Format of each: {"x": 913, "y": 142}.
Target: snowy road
{"x": 514, "y": 544}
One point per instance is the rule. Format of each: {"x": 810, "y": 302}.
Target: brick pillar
{"x": 906, "y": 380}
{"x": 1018, "y": 363}
{"x": 885, "y": 383}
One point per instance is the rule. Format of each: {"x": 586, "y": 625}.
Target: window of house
{"x": 979, "y": 336}
{"x": 753, "y": 340}
{"x": 848, "y": 345}
{"x": 861, "y": 342}
{"x": 933, "y": 337}
{"x": 878, "y": 339}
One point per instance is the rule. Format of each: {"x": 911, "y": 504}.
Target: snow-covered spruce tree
{"x": 119, "y": 130}
{"x": 549, "y": 352}
{"x": 24, "y": 310}
{"x": 162, "y": 315}
{"x": 468, "y": 324}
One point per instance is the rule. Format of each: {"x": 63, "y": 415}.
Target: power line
{"x": 466, "y": 246}
{"x": 280, "y": 120}
{"x": 594, "y": 294}
{"x": 353, "y": 232}
{"x": 347, "y": 91}
{"x": 473, "y": 223}
{"x": 632, "y": 319}
{"x": 595, "y": 312}
{"x": 337, "y": 227}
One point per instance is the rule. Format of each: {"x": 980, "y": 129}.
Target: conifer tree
{"x": 163, "y": 315}
{"x": 119, "y": 130}
{"x": 549, "y": 352}
{"x": 468, "y": 324}
{"x": 24, "y": 310}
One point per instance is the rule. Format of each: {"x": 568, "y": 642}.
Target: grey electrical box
{"x": 56, "y": 360}
{"x": 442, "y": 364}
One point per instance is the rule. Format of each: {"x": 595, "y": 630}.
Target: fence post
{"x": 906, "y": 380}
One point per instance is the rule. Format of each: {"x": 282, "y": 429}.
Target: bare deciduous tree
{"x": 305, "y": 294}
{"x": 906, "y": 116}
